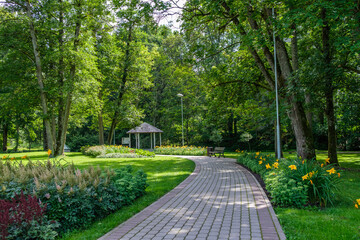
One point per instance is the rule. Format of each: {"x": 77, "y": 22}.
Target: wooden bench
{"x": 218, "y": 150}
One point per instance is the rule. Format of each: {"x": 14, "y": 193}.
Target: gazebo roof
{"x": 145, "y": 128}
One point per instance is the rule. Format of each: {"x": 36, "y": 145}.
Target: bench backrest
{"x": 219, "y": 149}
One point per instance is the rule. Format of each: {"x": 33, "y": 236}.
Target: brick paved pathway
{"x": 220, "y": 200}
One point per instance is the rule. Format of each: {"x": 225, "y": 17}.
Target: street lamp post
{"x": 278, "y": 149}
{"x": 182, "y": 117}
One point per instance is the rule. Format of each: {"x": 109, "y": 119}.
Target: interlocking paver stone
{"x": 219, "y": 200}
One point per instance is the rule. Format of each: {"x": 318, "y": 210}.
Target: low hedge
{"x": 184, "y": 150}
{"x": 73, "y": 198}
{"x": 113, "y": 151}
{"x": 294, "y": 182}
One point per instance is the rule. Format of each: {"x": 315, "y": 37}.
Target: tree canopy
{"x": 77, "y": 71}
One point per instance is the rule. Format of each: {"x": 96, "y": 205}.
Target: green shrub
{"x": 294, "y": 182}
{"x": 185, "y": 150}
{"x": 74, "y": 198}
{"x": 112, "y": 151}
{"x": 95, "y": 151}
{"x": 23, "y": 217}
{"x": 119, "y": 155}
{"x": 286, "y": 192}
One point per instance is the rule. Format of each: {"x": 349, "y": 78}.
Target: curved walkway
{"x": 219, "y": 200}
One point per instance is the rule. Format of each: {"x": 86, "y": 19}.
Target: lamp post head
{"x": 180, "y": 95}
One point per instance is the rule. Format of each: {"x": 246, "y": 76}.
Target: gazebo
{"x": 145, "y": 128}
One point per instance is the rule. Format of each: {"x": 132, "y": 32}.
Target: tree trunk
{"x": 304, "y": 139}
{"x": 53, "y": 131}
{"x": 101, "y": 129}
{"x": 39, "y": 76}
{"x": 5, "y": 137}
{"x": 303, "y": 134}
{"x": 61, "y": 72}
{"x": 329, "y": 89}
{"x": 121, "y": 90}
{"x": 64, "y": 124}
{"x": 17, "y": 137}
{"x": 45, "y": 141}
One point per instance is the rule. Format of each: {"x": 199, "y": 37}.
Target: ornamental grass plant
{"x": 177, "y": 150}
{"x": 74, "y": 197}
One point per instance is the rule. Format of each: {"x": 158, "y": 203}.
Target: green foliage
{"x": 23, "y": 218}
{"x": 185, "y": 150}
{"x": 74, "y": 198}
{"x": 112, "y": 151}
{"x": 294, "y": 182}
{"x": 286, "y": 192}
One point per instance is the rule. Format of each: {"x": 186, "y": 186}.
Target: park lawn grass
{"x": 164, "y": 174}
{"x": 341, "y": 221}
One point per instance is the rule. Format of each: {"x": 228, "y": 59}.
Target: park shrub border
{"x": 178, "y": 150}
{"x": 294, "y": 182}
{"x": 73, "y": 198}
{"x": 114, "y": 151}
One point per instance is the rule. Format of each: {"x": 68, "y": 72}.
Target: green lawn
{"x": 342, "y": 221}
{"x": 164, "y": 174}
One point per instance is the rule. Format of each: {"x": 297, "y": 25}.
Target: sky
{"x": 170, "y": 17}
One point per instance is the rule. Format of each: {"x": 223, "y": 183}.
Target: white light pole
{"x": 277, "y": 97}
{"x": 182, "y": 117}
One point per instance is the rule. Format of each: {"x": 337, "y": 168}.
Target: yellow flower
{"x": 331, "y": 171}
{"x": 292, "y": 167}
{"x": 322, "y": 165}
{"x": 356, "y": 206}
{"x": 13, "y": 158}
{"x": 311, "y": 174}
{"x": 311, "y": 182}
{"x": 260, "y": 157}
{"x": 49, "y": 152}
{"x": 260, "y": 162}
{"x": 24, "y": 157}
{"x": 305, "y": 177}
{"x": 242, "y": 151}
{"x": 268, "y": 166}
{"x": 358, "y": 201}
{"x": 276, "y": 165}
{"x": 255, "y": 156}
{"x": 338, "y": 174}
{"x": 277, "y": 160}
{"x": 4, "y": 157}
{"x": 257, "y": 153}
{"x": 303, "y": 162}
{"x": 327, "y": 160}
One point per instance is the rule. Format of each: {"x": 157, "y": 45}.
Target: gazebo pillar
{"x": 151, "y": 142}
{"x": 154, "y": 140}
{"x": 160, "y": 139}
{"x": 129, "y": 140}
{"x": 139, "y": 140}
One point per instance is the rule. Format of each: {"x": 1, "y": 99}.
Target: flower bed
{"x": 294, "y": 182}
{"x": 113, "y": 151}
{"x": 185, "y": 150}
{"x": 68, "y": 197}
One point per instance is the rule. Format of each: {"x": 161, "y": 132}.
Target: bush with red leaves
{"x": 20, "y": 214}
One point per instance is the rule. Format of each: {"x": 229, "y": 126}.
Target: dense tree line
{"x": 77, "y": 71}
